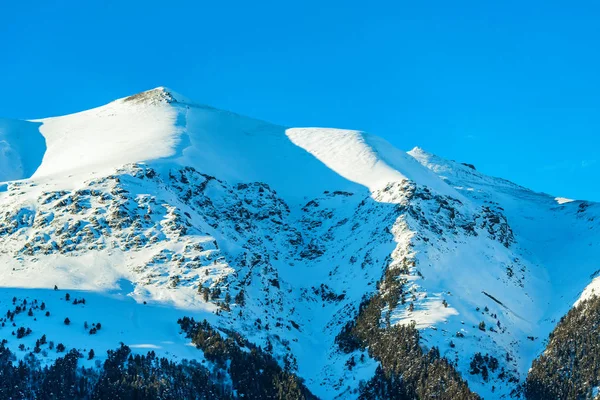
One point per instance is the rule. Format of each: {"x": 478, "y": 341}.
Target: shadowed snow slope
{"x": 21, "y": 149}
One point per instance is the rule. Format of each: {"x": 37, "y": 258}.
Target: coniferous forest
{"x": 569, "y": 368}
{"x": 406, "y": 371}
{"x": 252, "y": 374}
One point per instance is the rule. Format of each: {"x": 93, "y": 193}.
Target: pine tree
{"x": 240, "y": 298}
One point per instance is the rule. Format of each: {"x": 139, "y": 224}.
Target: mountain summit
{"x": 160, "y": 124}
{"x": 349, "y": 267}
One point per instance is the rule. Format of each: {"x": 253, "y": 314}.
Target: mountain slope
{"x": 557, "y": 245}
{"x": 21, "y": 149}
{"x": 153, "y": 208}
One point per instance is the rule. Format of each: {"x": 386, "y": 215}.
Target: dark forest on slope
{"x": 406, "y": 371}
{"x": 569, "y": 368}
{"x": 234, "y": 373}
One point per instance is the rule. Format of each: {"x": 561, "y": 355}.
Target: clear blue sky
{"x": 510, "y": 86}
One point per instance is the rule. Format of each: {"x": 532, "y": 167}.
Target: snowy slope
{"x": 21, "y": 149}
{"x": 556, "y": 251}
{"x": 157, "y": 125}
{"x": 153, "y": 207}
{"x": 163, "y": 125}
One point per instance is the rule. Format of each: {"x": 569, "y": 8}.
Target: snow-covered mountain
{"x": 153, "y": 207}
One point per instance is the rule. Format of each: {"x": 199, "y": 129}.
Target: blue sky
{"x": 512, "y": 86}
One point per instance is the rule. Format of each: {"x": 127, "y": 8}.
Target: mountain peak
{"x": 160, "y": 94}
{"x": 417, "y": 150}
